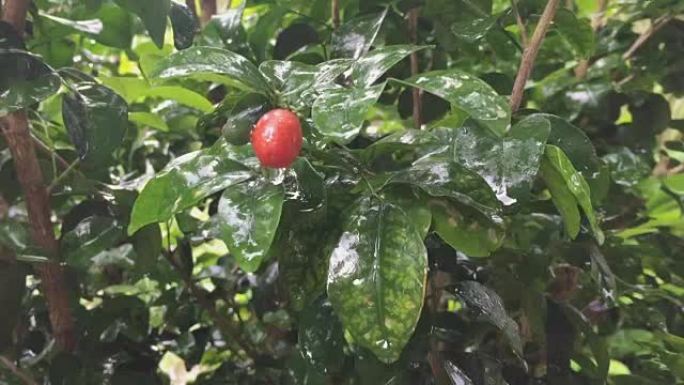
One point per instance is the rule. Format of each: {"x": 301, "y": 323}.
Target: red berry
{"x": 277, "y": 138}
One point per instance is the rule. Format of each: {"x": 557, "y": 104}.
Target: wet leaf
{"x": 471, "y": 234}
{"x": 148, "y": 119}
{"x": 474, "y": 29}
{"x": 355, "y": 37}
{"x": 248, "y": 217}
{"x": 456, "y": 375}
{"x": 441, "y": 177}
{"x": 576, "y": 184}
{"x": 577, "y": 32}
{"x": 209, "y": 60}
{"x": 562, "y": 197}
{"x": 379, "y": 264}
{"x": 484, "y": 305}
{"x": 90, "y": 237}
{"x": 321, "y": 337}
{"x": 299, "y": 84}
{"x": 509, "y": 164}
{"x": 372, "y": 65}
{"x": 117, "y": 26}
{"x": 91, "y": 26}
{"x": 95, "y": 118}
{"x": 184, "y": 25}
{"x": 153, "y": 14}
{"x": 466, "y": 92}
{"x": 339, "y": 113}
{"x": 24, "y": 80}
{"x": 185, "y": 181}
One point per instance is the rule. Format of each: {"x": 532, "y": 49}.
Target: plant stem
{"x": 208, "y": 10}
{"x": 335, "y": 9}
{"x": 226, "y": 326}
{"x": 530, "y": 53}
{"x": 63, "y": 175}
{"x": 15, "y": 128}
{"x": 521, "y": 24}
{"x": 416, "y": 92}
{"x": 643, "y": 38}
{"x": 20, "y": 374}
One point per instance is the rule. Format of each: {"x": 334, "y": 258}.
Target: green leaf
{"x": 441, "y": 177}
{"x": 339, "y": 113}
{"x": 379, "y": 265}
{"x": 136, "y": 89}
{"x": 24, "y": 80}
{"x": 209, "y": 60}
{"x": 474, "y": 29}
{"x": 148, "y": 119}
{"x": 248, "y": 217}
{"x": 299, "y": 84}
{"x": 415, "y": 206}
{"x": 321, "y": 337}
{"x": 95, "y": 118}
{"x": 90, "y": 237}
{"x": 576, "y": 184}
{"x": 577, "y": 32}
{"x": 484, "y": 305}
{"x": 372, "y": 65}
{"x": 153, "y": 14}
{"x": 265, "y": 29}
{"x": 184, "y": 24}
{"x": 471, "y": 234}
{"x": 90, "y": 26}
{"x": 355, "y": 37}
{"x": 509, "y": 164}
{"x": 562, "y": 197}
{"x": 466, "y": 92}
{"x": 225, "y": 30}
{"x": 185, "y": 181}
{"x": 117, "y": 28}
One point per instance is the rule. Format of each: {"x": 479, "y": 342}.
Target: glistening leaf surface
{"x": 186, "y": 180}
{"x": 248, "y": 216}
{"x": 209, "y": 60}
{"x": 379, "y": 265}
{"x": 509, "y": 164}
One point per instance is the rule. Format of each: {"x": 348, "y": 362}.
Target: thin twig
{"x": 335, "y": 9}
{"x": 643, "y": 38}
{"x": 20, "y": 374}
{"x": 530, "y": 54}
{"x": 63, "y": 175}
{"x": 42, "y": 147}
{"x": 597, "y": 22}
{"x": 520, "y": 22}
{"x": 417, "y": 103}
{"x": 225, "y": 325}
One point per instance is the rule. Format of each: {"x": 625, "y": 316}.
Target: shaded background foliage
{"x": 539, "y": 246}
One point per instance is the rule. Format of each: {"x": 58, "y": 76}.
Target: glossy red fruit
{"x": 277, "y": 138}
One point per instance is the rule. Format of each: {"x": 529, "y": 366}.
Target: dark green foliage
{"x": 488, "y": 247}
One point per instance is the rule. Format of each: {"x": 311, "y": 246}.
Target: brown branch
{"x": 335, "y": 5}
{"x": 597, "y": 22}
{"x": 19, "y": 373}
{"x": 643, "y": 38}
{"x": 416, "y": 92}
{"x": 18, "y": 138}
{"x": 225, "y": 325}
{"x": 521, "y": 24}
{"x": 208, "y": 10}
{"x": 530, "y": 53}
